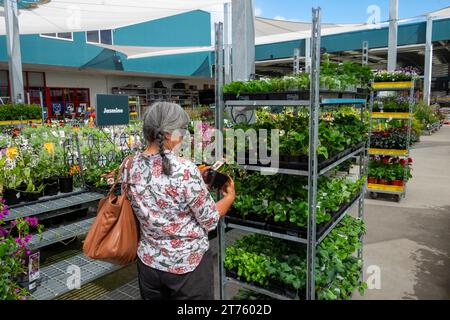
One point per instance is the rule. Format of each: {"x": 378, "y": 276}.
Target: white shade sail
{"x": 136, "y": 52}
{"x": 73, "y": 15}
{"x": 273, "y": 31}
{"x": 441, "y": 13}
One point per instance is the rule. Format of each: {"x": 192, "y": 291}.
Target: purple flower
{"x": 27, "y": 252}
{"x": 32, "y": 222}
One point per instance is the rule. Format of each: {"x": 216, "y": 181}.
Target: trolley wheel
{"x": 373, "y": 195}
{"x": 397, "y": 197}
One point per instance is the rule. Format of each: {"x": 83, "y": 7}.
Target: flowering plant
{"x": 13, "y": 250}
{"x": 400, "y": 74}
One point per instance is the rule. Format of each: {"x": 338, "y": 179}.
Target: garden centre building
{"x": 70, "y": 68}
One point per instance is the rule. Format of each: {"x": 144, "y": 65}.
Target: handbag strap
{"x": 128, "y": 160}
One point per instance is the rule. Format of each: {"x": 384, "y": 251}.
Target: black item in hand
{"x": 215, "y": 180}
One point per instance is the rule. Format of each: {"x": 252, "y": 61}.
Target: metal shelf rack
{"x": 313, "y": 172}
{"x": 405, "y": 86}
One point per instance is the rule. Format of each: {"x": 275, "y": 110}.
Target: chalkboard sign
{"x": 112, "y": 110}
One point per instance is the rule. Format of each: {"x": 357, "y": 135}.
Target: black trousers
{"x": 160, "y": 285}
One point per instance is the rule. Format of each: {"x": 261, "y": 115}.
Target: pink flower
{"x": 186, "y": 174}
{"x": 172, "y": 228}
{"x": 175, "y": 243}
{"x": 177, "y": 270}
{"x": 171, "y": 191}
{"x": 194, "y": 258}
{"x": 147, "y": 259}
{"x": 161, "y": 203}
{"x": 193, "y": 234}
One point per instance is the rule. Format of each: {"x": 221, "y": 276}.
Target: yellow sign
{"x": 393, "y": 85}
{"x": 384, "y": 187}
{"x": 389, "y": 115}
{"x": 11, "y": 152}
{"x": 49, "y": 147}
{"x": 394, "y": 152}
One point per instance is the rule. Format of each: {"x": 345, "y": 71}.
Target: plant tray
{"x": 286, "y": 228}
{"x": 274, "y": 286}
{"x": 295, "y": 95}
{"x": 301, "y": 162}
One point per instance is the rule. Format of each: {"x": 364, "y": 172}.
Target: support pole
{"x": 296, "y": 61}
{"x": 393, "y": 26}
{"x": 313, "y": 165}
{"x": 219, "y": 146}
{"x": 227, "y": 42}
{"x": 428, "y": 61}
{"x": 308, "y": 55}
{"x": 13, "y": 49}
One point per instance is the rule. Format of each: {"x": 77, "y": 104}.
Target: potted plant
{"x": 13, "y": 246}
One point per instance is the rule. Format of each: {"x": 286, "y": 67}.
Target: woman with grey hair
{"x": 175, "y": 211}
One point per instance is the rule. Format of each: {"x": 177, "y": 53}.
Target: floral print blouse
{"x": 175, "y": 212}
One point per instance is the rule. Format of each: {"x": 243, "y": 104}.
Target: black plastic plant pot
{"x": 258, "y": 96}
{"x": 51, "y": 186}
{"x": 66, "y": 184}
{"x": 28, "y": 196}
{"x": 11, "y": 197}
{"x": 215, "y": 180}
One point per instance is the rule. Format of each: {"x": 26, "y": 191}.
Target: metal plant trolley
{"x": 312, "y": 240}
{"x": 374, "y": 189}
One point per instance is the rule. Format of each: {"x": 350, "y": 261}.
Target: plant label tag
{"x": 62, "y": 134}
{"x": 33, "y": 267}
{"x": 265, "y": 203}
{"x": 216, "y": 166}
{"x": 54, "y": 133}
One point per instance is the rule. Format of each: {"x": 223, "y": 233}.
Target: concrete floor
{"x": 408, "y": 242}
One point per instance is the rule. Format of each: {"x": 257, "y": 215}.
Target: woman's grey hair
{"x": 160, "y": 118}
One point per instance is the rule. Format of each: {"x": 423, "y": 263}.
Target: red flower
{"x": 177, "y": 270}
{"x": 193, "y": 234}
{"x": 200, "y": 199}
{"x": 172, "y": 228}
{"x": 147, "y": 259}
{"x": 161, "y": 203}
{"x": 194, "y": 258}
{"x": 386, "y": 160}
{"x": 410, "y": 160}
{"x": 171, "y": 191}
{"x": 186, "y": 174}
{"x": 182, "y": 215}
{"x": 157, "y": 168}
{"x": 402, "y": 162}
{"x": 175, "y": 243}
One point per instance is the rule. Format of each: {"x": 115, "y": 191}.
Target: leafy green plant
{"x": 20, "y": 112}
{"x": 265, "y": 260}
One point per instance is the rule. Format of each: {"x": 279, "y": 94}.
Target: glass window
{"x": 61, "y": 36}
{"x": 106, "y": 36}
{"x": 99, "y": 36}
{"x": 92, "y": 36}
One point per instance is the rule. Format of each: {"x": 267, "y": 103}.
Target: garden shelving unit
{"x": 312, "y": 237}
{"x": 403, "y": 86}
{"x": 74, "y": 209}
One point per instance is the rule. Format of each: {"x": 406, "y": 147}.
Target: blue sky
{"x": 342, "y": 11}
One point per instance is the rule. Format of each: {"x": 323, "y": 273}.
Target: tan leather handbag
{"x": 114, "y": 234}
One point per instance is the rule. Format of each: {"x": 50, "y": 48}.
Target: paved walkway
{"x": 410, "y": 241}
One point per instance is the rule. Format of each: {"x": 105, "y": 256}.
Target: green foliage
{"x": 13, "y": 249}
{"x": 285, "y": 198}
{"x": 20, "y": 112}
{"x": 333, "y": 76}
{"x": 265, "y": 260}
{"x": 425, "y": 114}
